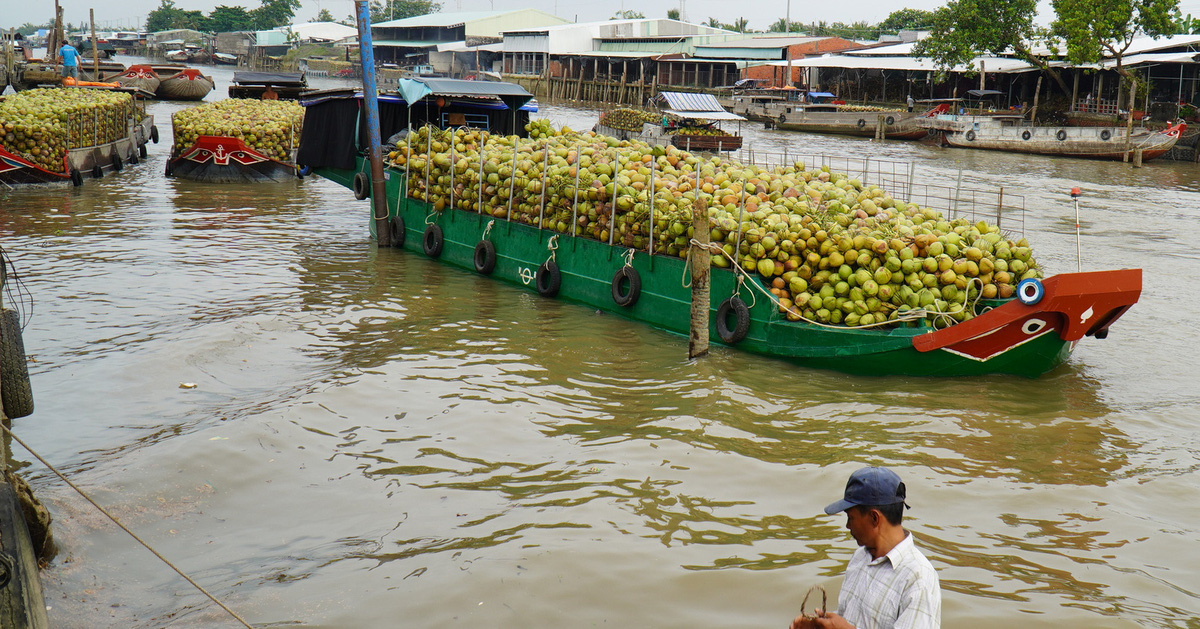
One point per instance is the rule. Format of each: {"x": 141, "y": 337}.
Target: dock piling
{"x": 701, "y": 264}
{"x": 379, "y": 211}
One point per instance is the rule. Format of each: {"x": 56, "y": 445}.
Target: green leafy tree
{"x": 628, "y": 14}
{"x": 672, "y": 14}
{"x": 740, "y": 25}
{"x": 323, "y": 16}
{"x": 274, "y": 13}
{"x": 1093, "y": 29}
{"x": 400, "y": 9}
{"x": 168, "y": 17}
{"x": 782, "y": 25}
{"x": 714, "y": 23}
{"x": 224, "y": 19}
{"x": 965, "y": 29}
{"x": 906, "y": 19}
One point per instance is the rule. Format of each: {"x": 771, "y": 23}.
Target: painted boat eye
{"x": 1033, "y": 326}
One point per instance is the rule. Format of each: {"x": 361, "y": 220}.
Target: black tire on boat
{"x": 15, "y": 391}
{"x": 170, "y": 171}
{"x": 1105, "y": 135}
{"x": 142, "y": 151}
{"x": 971, "y": 135}
{"x": 782, "y": 119}
{"x": 548, "y": 279}
{"x": 433, "y": 241}
{"x": 735, "y": 306}
{"x": 396, "y": 225}
{"x": 362, "y": 186}
{"x": 1025, "y": 135}
{"x": 891, "y": 120}
{"x": 485, "y": 257}
{"x": 117, "y": 163}
{"x": 626, "y": 286}
{"x": 76, "y": 177}
{"x": 1061, "y": 135}
{"x": 97, "y": 172}
{"x": 862, "y": 123}
{"x": 154, "y": 133}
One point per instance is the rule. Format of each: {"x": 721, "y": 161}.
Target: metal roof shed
{"x": 689, "y": 105}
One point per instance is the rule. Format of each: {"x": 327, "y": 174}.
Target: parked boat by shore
{"x": 224, "y": 59}
{"x": 472, "y": 221}
{"x": 819, "y": 113}
{"x": 187, "y": 84}
{"x": 1012, "y": 133}
{"x": 284, "y": 85}
{"x": 90, "y": 140}
{"x": 140, "y": 76}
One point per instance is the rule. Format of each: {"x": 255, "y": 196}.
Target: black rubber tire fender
{"x": 97, "y": 171}
{"x": 1025, "y": 135}
{"x": 971, "y": 135}
{"x": 485, "y": 257}
{"x": 142, "y": 152}
{"x": 735, "y": 306}
{"x": 433, "y": 241}
{"x": 890, "y": 120}
{"x": 1061, "y": 135}
{"x": 361, "y": 186}
{"x": 117, "y": 163}
{"x": 782, "y": 118}
{"x": 1105, "y": 135}
{"x": 154, "y": 133}
{"x": 76, "y": 177}
{"x": 548, "y": 279}
{"x": 398, "y": 231}
{"x": 626, "y": 286}
{"x": 15, "y": 391}
{"x": 170, "y": 171}
{"x": 862, "y": 123}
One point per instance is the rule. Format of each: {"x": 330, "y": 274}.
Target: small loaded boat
{"x": 139, "y": 76}
{"x": 699, "y": 117}
{"x": 1012, "y": 133}
{"x": 178, "y": 55}
{"x": 930, "y": 296}
{"x": 236, "y": 141}
{"x": 281, "y": 85}
{"x": 224, "y": 59}
{"x": 97, "y": 130}
{"x": 821, "y": 112}
{"x": 187, "y": 84}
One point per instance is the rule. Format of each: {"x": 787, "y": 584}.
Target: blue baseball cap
{"x": 872, "y": 487}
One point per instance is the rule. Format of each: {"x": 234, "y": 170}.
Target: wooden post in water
{"x": 880, "y": 127}
{"x": 95, "y": 51}
{"x": 701, "y": 265}
{"x": 1137, "y": 158}
{"x": 379, "y": 207}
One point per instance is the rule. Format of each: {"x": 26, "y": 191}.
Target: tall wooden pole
{"x": 95, "y": 51}
{"x": 379, "y": 206}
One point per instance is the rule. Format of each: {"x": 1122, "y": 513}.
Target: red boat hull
{"x": 221, "y": 159}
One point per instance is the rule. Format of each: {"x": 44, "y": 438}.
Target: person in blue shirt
{"x": 70, "y": 60}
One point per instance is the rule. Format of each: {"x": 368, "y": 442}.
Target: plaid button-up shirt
{"x": 899, "y": 590}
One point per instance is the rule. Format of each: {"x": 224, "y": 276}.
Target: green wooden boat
{"x": 1027, "y": 335}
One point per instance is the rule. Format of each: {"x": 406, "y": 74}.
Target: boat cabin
{"x": 331, "y": 116}
{"x": 285, "y": 85}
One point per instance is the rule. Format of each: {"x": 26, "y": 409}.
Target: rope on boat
{"x": 125, "y": 528}
{"x": 487, "y": 230}
{"x": 629, "y": 257}
{"x": 743, "y": 275}
{"x": 553, "y": 247}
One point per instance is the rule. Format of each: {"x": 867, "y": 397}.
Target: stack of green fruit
{"x": 271, "y": 127}
{"x": 41, "y": 125}
{"x": 830, "y": 249}
{"x": 629, "y": 119}
{"x": 709, "y": 131}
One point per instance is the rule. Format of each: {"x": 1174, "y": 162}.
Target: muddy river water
{"x": 376, "y": 440}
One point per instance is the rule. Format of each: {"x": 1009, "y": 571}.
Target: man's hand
{"x": 823, "y": 620}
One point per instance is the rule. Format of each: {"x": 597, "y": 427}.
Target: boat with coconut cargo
{"x": 810, "y": 266}
{"x": 688, "y": 121}
{"x": 60, "y": 134}
{"x": 822, "y": 112}
{"x": 236, "y": 140}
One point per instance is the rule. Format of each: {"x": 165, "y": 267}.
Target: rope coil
{"x": 487, "y": 230}
{"x": 553, "y": 247}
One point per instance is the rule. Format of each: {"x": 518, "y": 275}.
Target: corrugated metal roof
{"x": 689, "y": 102}
{"x": 440, "y": 19}
{"x": 707, "y": 115}
{"x": 999, "y": 65}
{"x": 763, "y": 42}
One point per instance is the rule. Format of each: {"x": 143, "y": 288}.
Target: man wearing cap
{"x": 888, "y": 583}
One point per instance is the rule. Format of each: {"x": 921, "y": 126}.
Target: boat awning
{"x": 822, "y": 95}
{"x": 706, "y": 115}
{"x": 499, "y": 96}
{"x": 269, "y": 78}
{"x": 511, "y": 94}
{"x": 984, "y": 93}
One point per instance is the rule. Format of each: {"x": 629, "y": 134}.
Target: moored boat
{"x": 1012, "y": 133}
{"x": 819, "y": 113}
{"x": 104, "y": 136}
{"x": 537, "y": 246}
{"x": 187, "y": 84}
{"x": 236, "y": 140}
{"x": 224, "y": 58}
{"x": 280, "y": 85}
{"x": 142, "y": 77}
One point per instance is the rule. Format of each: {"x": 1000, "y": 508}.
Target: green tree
{"x": 167, "y": 17}
{"x": 906, "y": 19}
{"x": 672, "y": 14}
{"x": 628, "y": 14}
{"x": 224, "y": 19}
{"x": 740, "y": 25}
{"x": 714, "y": 23}
{"x": 965, "y": 29}
{"x": 400, "y": 9}
{"x": 323, "y": 16}
{"x": 783, "y": 26}
{"x": 274, "y": 13}
{"x": 1094, "y": 29}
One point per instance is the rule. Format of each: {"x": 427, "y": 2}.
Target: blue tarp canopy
{"x": 821, "y": 95}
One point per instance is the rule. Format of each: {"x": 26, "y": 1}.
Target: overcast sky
{"x": 128, "y": 14}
